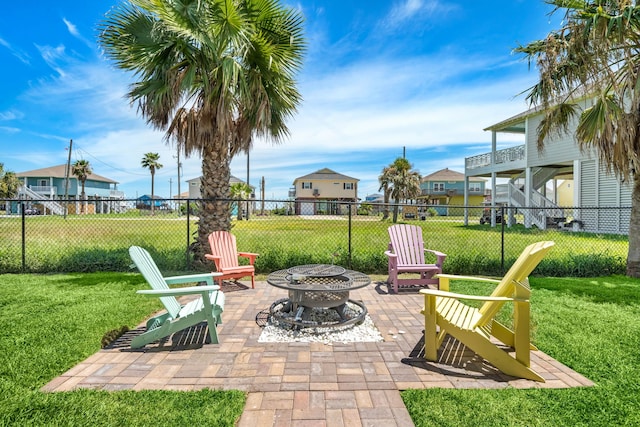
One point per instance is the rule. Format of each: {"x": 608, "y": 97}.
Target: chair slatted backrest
{"x": 223, "y": 244}
{"x": 516, "y": 280}
{"x": 152, "y": 275}
{"x": 407, "y": 244}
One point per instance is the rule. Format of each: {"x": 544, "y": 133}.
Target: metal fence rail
{"x": 96, "y": 236}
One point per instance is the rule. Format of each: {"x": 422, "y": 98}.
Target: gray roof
{"x": 327, "y": 174}
{"x": 60, "y": 172}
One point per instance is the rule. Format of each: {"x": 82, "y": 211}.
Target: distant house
{"x": 195, "y": 186}
{"x": 322, "y": 191}
{"x": 46, "y": 187}
{"x": 144, "y": 202}
{"x": 446, "y": 188}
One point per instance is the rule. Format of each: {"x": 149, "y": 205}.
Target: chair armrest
{"x": 436, "y": 253}
{"x": 444, "y": 294}
{"x": 208, "y": 277}
{"x": 444, "y": 280}
{"x": 439, "y": 255}
{"x": 473, "y": 278}
{"x": 390, "y": 254}
{"x": 252, "y": 256}
{"x": 191, "y": 290}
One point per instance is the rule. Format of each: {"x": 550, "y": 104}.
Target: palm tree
{"x": 240, "y": 191}
{"x": 81, "y": 169}
{"x": 400, "y": 182}
{"x": 594, "y": 55}
{"x": 150, "y": 161}
{"x": 9, "y": 183}
{"x": 385, "y": 180}
{"x": 213, "y": 75}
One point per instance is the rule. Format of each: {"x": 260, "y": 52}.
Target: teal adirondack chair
{"x": 208, "y": 307}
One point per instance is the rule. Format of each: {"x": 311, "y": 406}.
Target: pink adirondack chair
{"x": 406, "y": 254}
{"x": 225, "y": 255}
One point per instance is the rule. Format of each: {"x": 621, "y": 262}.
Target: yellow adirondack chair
{"x": 475, "y": 327}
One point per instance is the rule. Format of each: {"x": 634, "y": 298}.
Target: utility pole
{"x": 170, "y": 187}
{"x": 247, "y": 217}
{"x": 179, "y": 166}
{"x": 262, "y": 196}
{"x": 66, "y": 181}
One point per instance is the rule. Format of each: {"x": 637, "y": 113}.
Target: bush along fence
{"x": 95, "y": 235}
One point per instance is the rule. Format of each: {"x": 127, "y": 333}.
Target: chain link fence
{"x": 95, "y": 235}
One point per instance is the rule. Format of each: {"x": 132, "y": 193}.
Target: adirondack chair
{"x": 208, "y": 307}
{"x": 225, "y": 255}
{"x": 477, "y": 328}
{"x": 406, "y": 254}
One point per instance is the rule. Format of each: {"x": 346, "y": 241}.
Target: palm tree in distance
{"x": 150, "y": 161}
{"x": 9, "y": 183}
{"x": 213, "y": 75}
{"x": 385, "y": 180}
{"x": 594, "y": 56}
{"x": 400, "y": 182}
{"x": 240, "y": 191}
{"x": 81, "y": 169}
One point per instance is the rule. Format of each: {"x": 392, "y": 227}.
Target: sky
{"x": 381, "y": 79}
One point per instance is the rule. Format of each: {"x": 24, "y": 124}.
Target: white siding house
{"x": 533, "y": 177}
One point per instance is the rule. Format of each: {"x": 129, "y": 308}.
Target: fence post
{"x": 349, "y": 247}
{"x": 186, "y": 252}
{"x": 503, "y": 217}
{"x": 24, "y": 239}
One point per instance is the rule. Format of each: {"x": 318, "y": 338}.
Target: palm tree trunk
{"x": 633, "y": 256}
{"x": 396, "y": 208}
{"x": 83, "y": 206}
{"x": 152, "y": 196}
{"x": 385, "y": 212}
{"x": 214, "y": 212}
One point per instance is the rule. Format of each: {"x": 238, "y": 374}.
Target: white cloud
{"x": 52, "y": 55}
{"x": 71, "y": 27}
{"x": 410, "y": 10}
{"x": 22, "y": 56}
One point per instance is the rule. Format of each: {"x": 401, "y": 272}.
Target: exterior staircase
{"x": 53, "y": 206}
{"x": 540, "y": 211}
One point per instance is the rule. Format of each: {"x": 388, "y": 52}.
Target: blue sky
{"x": 380, "y": 77}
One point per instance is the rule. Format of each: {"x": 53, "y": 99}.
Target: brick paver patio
{"x": 296, "y": 384}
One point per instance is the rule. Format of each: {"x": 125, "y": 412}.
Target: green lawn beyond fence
{"x": 89, "y": 243}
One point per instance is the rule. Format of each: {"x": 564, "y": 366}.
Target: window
{"x": 474, "y": 186}
{"x": 44, "y": 182}
{"x": 348, "y": 186}
{"x": 306, "y": 186}
{"x": 438, "y": 186}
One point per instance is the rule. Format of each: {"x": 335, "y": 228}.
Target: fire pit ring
{"x": 318, "y": 287}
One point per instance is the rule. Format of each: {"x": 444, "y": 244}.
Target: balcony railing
{"x": 44, "y": 189}
{"x": 507, "y": 155}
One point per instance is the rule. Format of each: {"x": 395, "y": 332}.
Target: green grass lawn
{"x": 100, "y": 242}
{"x": 50, "y": 323}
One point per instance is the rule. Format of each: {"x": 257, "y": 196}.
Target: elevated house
{"x": 47, "y": 187}
{"x": 322, "y": 191}
{"x": 548, "y": 184}
{"x": 446, "y": 189}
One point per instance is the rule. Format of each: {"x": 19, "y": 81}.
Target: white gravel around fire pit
{"x": 275, "y": 331}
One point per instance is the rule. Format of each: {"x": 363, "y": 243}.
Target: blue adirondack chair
{"x": 208, "y": 307}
